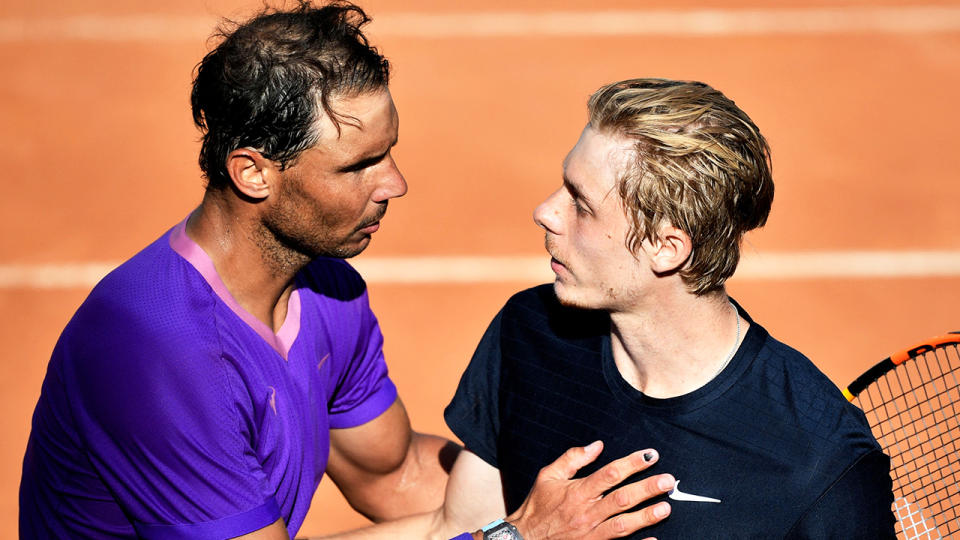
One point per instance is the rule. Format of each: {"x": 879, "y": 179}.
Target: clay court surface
{"x": 858, "y": 100}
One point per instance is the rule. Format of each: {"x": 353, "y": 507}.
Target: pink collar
{"x": 194, "y": 254}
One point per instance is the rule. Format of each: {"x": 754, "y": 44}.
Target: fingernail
{"x": 666, "y": 483}
{"x": 649, "y": 456}
{"x": 661, "y": 510}
{"x": 593, "y": 446}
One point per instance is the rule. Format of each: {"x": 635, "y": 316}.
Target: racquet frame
{"x": 912, "y": 402}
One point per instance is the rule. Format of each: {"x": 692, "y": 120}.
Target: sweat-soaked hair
{"x": 700, "y": 164}
{"x": 265, "y": 84}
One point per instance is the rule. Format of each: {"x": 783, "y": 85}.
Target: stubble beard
{"x": 288, "y": 244}
{"x": 595, "y": 294}
{"x": 289, "y": 249}
{"x": 565, "y": 300}
{"x": 280, "y": 253}
{"x": 289, "y": 241}
{"x": 572, "y": 294}
{"x": 600, "y": 298}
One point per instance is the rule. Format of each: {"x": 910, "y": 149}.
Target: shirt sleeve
{"x": 473, "y": 415}
{"x": 160, "y": 418}
{"x": 857, "y": 505}
{"x": 364, "y": 389}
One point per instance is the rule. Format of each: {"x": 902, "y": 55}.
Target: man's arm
{"x": 473, "y": 498}
{"x": 386, "y": 470}
{"x": 558, "y": 506}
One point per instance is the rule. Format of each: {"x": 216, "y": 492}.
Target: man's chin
{"x": 352, "y": 250}
{"x": 564, "y": 295}
{"x": 345, "y": 250}
{"x": 575, "y": 298}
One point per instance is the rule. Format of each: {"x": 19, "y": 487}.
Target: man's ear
{"x": 669, "y": 250}
{"x": 251, "y": 173}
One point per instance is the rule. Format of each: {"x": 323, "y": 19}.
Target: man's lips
{"x": 372, "y": 228}
{"x": 373, "y": 225}
{"x": 555, "y": 263}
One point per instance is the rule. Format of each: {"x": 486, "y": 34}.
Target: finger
{"x": 572, "y": 461}
{"x": 626, "y": 497}
{"x": 624, "y": 524}
{"x": 618, "y": 470}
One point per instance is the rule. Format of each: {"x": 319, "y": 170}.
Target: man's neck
{"x": 675, "y": 343}
{"x": 229, "y": 236}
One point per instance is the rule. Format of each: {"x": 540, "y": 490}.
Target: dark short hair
{"x": 700, "y": 164}
{"x": 265, "y": 83}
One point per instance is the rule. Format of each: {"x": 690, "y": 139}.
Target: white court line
{"x": 675, "y": 23}
{"x": 536, "y": 269}
{"x": 691, "y": 23}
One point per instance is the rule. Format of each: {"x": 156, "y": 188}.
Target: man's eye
{"x": 578, "y": 206}
{"x": 361, "y": 165}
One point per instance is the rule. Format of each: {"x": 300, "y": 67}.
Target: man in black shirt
{"x": 638, "y": 344}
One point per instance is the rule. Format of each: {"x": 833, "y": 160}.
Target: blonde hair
{"x": 700, "y": 165}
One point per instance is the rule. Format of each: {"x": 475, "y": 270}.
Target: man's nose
{"x": 546, "y": 215}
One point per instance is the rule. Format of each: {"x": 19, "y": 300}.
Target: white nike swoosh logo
{"x": 678, "y": 495}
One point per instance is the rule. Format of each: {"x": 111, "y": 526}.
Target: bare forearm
{"x": 417, "y": 486}
{"x": 473, "y": 498}
{"x": 428, "y": 525}
{"x": 423, "y": 481}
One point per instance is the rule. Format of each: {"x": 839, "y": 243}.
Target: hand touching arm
{"x": 558, "y": 506}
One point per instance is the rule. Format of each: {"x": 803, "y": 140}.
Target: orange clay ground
{"x": 99, "y": 154}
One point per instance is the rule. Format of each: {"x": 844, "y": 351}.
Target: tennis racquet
{"x": 911, "y": 400}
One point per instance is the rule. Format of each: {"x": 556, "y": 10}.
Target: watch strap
{"x": 501, "y": 530}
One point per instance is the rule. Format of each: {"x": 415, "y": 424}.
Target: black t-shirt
{"x": 770, "y": 437}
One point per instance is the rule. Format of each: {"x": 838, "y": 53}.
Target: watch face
{"x": 504, "y": 531}
{"x": 500, "y": 533}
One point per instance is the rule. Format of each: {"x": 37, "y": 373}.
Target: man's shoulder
{"x": 148, "y": 324}
{"x": 822, "y": 430}
{"x": 816, "y": 403}
{"x": 152, "y": 298}
{"x": 798, "y": 371}
{"x": 156, "y": 274}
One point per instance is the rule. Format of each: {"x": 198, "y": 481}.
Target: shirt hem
{"x": 370, "y": 408}
{"x": 228, "y": 527}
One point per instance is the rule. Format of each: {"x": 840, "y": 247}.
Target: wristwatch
{"x": 500, "y": 530}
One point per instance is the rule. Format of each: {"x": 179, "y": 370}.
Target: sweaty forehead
{"x": 367, "y": 122}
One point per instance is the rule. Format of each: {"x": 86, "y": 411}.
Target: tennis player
{"x": 207, "y": 384}
{"x": 637, "y": 342}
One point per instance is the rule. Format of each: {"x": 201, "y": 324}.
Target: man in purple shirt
{"x": 207, "y": 384}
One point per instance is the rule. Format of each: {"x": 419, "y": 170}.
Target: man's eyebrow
{"x": 366, "y": 161}
{"x": 574, "y": 190}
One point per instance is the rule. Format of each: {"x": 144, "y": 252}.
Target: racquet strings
{"x": 912, "y": 411}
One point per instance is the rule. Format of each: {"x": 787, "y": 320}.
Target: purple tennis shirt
{"x": 170, "y": 412}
